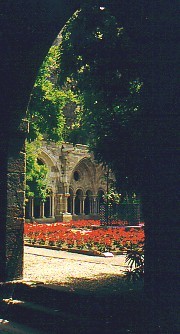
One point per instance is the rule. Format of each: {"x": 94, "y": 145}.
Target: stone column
{"x": 41, "y": 209}
{"x": 73, "y": 204}
{"x": 12, "y": 201}
{"x": 58, "y": 209}
{"x": 82, "y": 204}
{"x": 94, "y": 205}
{"x": 31, "y": 207}
{"x": 98, "y": 203}
{"x": 91, "y": 204}
{"x": 66, "y": 203}
{"x": 52, "y": 205}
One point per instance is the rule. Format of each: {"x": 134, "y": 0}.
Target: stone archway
{"x": 78, "y": 202}
{"x": 88, "y": 176}
{"x": 27, "y": 31}
{"x": 36, "y": 208}
{"x": 88, "y": 203}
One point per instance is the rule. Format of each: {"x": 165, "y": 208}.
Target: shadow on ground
{"x": 103, "y": 284}
{"x": 105, "y": 304}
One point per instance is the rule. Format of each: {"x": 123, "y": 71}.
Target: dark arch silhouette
{"x": 87, "y": 202}
{"x": 27, "y": 31}
{"x": 78, "y": 197}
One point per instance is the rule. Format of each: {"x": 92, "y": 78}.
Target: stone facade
{"x": 76, "y": 184}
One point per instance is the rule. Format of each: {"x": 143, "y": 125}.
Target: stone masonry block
{"x": 16, "y": 182}
{"x": 14, "y": 211}
{"x": 17, "y": 164}
{"x": 23, "y": 128}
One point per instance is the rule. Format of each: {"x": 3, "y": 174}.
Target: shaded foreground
{"x": 91, "y": 298}
{"x": 75, "y": 294}
{"x": 112, "y": 307}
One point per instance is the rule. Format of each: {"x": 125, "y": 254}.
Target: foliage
{"x": 135, "y": 261}
{"x": 36, "y": 172}
{"x": 112, "y": 197}
{"x": 109, "y": 87}
{"x": 47, "y": 103}
{"x": 103, "y": 90}
{"x": 47, "y": 120}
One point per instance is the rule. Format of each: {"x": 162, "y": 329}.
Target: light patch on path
{"x": 60, "y": 267}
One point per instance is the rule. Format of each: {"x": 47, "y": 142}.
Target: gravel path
{"x": 60, "y": 267}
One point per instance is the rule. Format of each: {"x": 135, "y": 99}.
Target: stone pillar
{"x": 31, "y": 207}
{"x": 82, "y": 203}
{"x": 73, "y": 205}
{"x": 58, "y": 208}
{"x": 51, "y": 206}
{"x": 94, "y": 205}
{"x": 98, "y": 203}
{"x": 12, "y": 202}
{"x": 91, "y": 205}
{"x": 66, "y": 196}
{"x": 41, "y": 209}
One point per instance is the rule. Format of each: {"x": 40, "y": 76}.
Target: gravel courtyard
{"x": 64, "y": 268}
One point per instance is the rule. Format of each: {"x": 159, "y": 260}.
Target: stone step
{"x": 9, "y": 327}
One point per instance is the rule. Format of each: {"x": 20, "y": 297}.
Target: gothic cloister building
{"x": 76, "y": 184}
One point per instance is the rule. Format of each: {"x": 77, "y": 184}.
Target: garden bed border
{"x": 74, "y": 250}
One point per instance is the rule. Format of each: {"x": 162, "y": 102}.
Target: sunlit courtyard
{"x": 64, "y": 268}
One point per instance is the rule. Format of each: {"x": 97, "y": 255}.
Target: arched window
{"x": 88, "y": 202}
{"x": 78, "y": 198}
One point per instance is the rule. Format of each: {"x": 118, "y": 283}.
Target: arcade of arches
{"x": 76, "y": 184}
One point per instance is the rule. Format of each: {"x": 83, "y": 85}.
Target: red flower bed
{"x": 80, "y": 235}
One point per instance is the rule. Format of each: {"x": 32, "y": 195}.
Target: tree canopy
{"x": 95, "y": 70}
{"x": 46, "y": 115}
{"x": 47, "y": 102}
{"x": 97, "y": 56}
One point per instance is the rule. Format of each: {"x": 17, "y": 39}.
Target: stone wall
{"x": 76, "y": 182}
